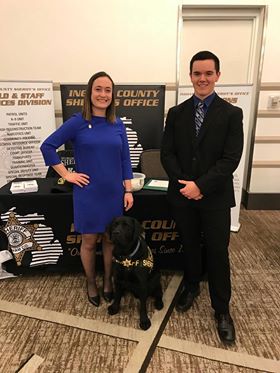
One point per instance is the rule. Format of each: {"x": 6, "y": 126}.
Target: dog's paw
{"x": 145, "y": 323}
{"x": 158, "y": 304}
{"x": 113, "y": 309}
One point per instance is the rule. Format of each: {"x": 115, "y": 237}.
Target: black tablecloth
{"x": 29, "y": 217}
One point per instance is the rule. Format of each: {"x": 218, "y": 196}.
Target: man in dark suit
{"x": 202, "y": 146}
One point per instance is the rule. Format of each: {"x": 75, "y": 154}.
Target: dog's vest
{"x": 147, "y": 262}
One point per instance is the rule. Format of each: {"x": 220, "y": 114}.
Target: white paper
{"x": 159, "y": 183}
{"x": 24, "y": 186}
{"x": 17, "y": 187}
{"x": 30, "y": 186}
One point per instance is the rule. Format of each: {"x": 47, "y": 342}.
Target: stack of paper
{"x": 24, "y": 186}
{"x": 17, "y": 187}
{"x": 30, "y": 186}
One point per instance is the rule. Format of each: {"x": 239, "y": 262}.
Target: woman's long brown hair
{"x": 87, "y": 107}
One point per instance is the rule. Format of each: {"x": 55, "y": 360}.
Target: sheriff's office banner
{"x": 141, "y": 108}
{"x": 239, "y": 95}
{"x": 26, "y": 118}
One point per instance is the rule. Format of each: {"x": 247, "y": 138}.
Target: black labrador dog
{"x": 133, "y": 267}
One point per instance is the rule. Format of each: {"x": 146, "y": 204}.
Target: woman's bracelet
{"x": 128, "y": 191}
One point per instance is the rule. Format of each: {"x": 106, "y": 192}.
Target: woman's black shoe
{"x": 94, "y": 300}
{"x": 108, "y": 296}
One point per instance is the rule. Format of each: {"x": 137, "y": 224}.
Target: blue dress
{"x": 101, "y": 151}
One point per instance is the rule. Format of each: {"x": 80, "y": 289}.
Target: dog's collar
{"x": 135, "y": 250}
{"x": 147, "y": 262}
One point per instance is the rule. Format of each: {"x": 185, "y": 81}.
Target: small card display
{"x": 24, "y": 186}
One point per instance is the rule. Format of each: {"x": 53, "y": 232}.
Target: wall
{"x": 68, "y": 40}
{"x": 135, "y": 41}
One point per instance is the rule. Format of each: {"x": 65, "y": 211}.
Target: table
{"x": 41, "y": 232}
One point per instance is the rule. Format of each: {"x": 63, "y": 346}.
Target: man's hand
{"x": 190, "y": 190}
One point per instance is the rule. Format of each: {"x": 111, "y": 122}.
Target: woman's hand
{"x": 77, "y": 178}
{"x": 128, "y": 201}
{"x": 72, "y": 177}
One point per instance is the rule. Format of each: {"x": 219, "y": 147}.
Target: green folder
{"x": 154, "y": 184}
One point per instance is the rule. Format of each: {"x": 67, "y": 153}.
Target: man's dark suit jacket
{"x": 209, "y": 159}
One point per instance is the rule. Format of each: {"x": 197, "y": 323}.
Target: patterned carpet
{"x": 49, "y": 316}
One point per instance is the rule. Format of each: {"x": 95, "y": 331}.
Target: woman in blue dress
{"x": 102, "y": 181}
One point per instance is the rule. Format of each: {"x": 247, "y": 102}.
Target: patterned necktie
{"x": 199, "y": 116}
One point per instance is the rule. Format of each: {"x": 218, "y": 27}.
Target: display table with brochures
{"x": 41, "y": 234}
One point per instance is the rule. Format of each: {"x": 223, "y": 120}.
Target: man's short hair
{"x": 205, "y": 55}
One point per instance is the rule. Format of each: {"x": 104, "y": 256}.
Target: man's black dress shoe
{"x": 225, "y": 327}
{"x": 186, "y": 300}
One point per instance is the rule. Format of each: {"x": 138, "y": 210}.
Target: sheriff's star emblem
{"x": 20, "y": 237}
{"x": 126, "y": 263}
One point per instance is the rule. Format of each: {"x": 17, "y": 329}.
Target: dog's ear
{"x": 138, "y": 229}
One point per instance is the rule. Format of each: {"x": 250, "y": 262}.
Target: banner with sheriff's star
{"x": 141, "y": 108}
